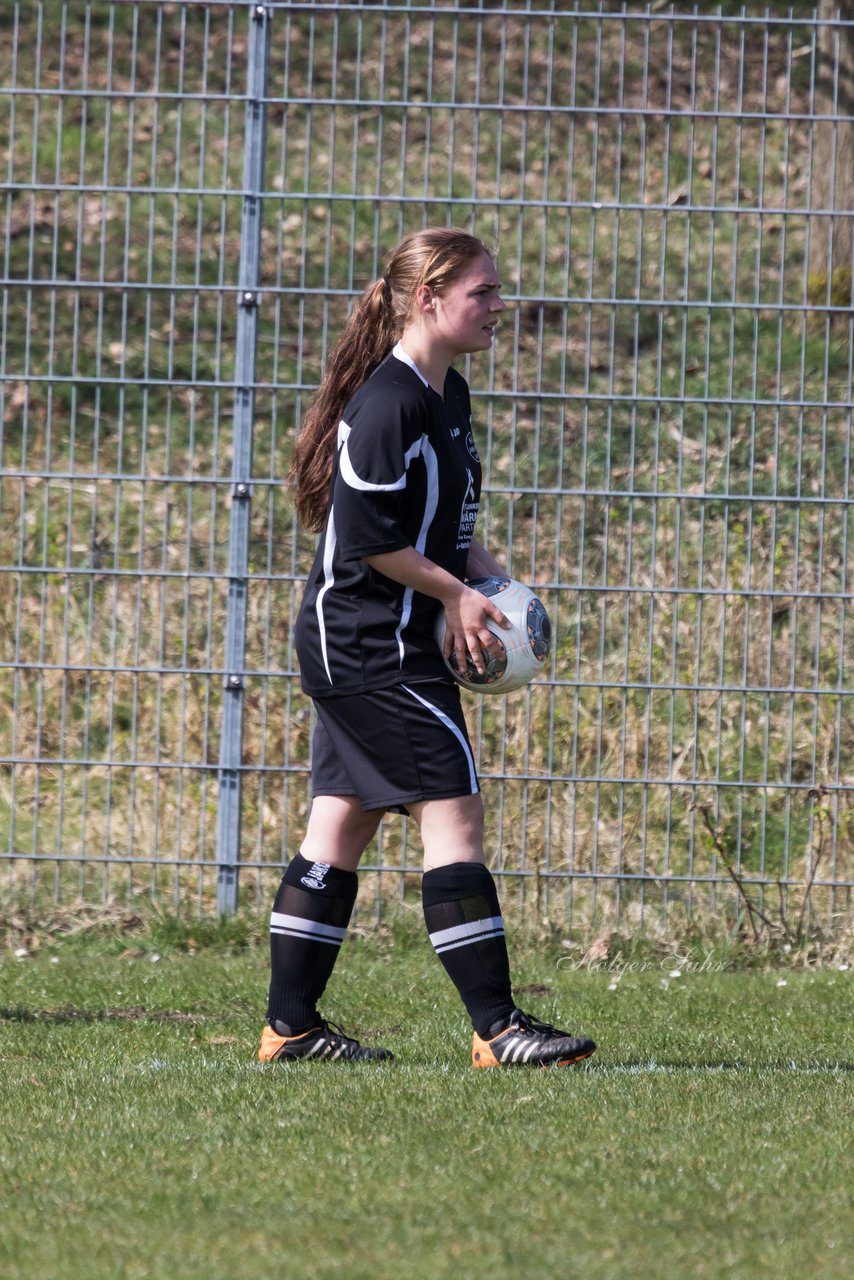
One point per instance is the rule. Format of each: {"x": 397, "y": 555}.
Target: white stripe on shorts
{"x": 462, "y": 935}
{"x": 449, "y": 724}
{"x": 299, "y": 927}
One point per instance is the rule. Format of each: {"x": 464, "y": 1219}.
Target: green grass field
{"x": 709, "y": 1137}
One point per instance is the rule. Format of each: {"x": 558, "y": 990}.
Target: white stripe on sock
{"x": 481, "y": 937}
{"x": 307, "y": 937}
{"x": 299, "y": 927}
{"x": 459, "y": 935}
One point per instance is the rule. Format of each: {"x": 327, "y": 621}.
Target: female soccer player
{"x": 387, "y": 470}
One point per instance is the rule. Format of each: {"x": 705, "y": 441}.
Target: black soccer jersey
{"x": 407, "y": 473}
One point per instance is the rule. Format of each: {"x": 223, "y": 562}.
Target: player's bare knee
{"x": 451, "y": 830}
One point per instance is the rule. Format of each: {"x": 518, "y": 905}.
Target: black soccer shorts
{"x": 393, "y": 747}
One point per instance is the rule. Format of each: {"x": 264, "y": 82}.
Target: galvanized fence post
{"x": 231, "y": 740}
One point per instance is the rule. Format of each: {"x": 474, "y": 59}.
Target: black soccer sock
{"x": 463, "y": 919}
{"x": 307, "y": 926}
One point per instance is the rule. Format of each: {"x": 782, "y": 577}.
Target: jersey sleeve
{"x": 378, "y": 444}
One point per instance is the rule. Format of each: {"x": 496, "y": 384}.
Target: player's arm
{"x": 466, "y": 610}
{"x": 481, "y": 564}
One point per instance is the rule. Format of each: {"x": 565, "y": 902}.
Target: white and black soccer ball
{"x": 521, "y": 652}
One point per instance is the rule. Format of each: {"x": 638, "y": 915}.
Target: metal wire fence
{"x": 192, "y": 196}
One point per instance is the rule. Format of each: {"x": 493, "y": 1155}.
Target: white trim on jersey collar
{"x": 399, "y": 354}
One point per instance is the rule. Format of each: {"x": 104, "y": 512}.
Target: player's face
{"x": 466, "y": 312}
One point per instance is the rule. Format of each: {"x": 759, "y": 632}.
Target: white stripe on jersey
{"x": 351, "y": 477}
{"x": 421, "y": 447}
{"x": 431, "y": 502}
{"x": 299, "y": 927}
{"x": 449, "y": 724}
{"x": 460, "y": 935}
{"x": 328, "y": 580}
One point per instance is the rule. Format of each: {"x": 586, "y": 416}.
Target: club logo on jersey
{"x": 315, "y": 877}
{"x": 470, "y": 445}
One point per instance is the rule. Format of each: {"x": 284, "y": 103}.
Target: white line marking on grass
{"x": 599, "y": 1068}
{"x": 675, "y": 1069}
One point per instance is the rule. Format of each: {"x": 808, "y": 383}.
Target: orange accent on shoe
{"x": 483, "y": 1056}
{"x": 481, "y": 1053}
{"x": 272, "y": 1043}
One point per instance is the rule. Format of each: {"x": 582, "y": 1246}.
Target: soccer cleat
{"x": 527, "y": 1042}
{"x": 324, "y": 1042}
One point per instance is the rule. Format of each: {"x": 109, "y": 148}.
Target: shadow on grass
{"x": 135, "y": 1013}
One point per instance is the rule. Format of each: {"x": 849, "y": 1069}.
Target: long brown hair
{"x": 435, "y": 256}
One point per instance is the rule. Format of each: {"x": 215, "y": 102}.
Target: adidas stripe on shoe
{"x": 525, "y": 1042}
{"x": 325, "y": 1042}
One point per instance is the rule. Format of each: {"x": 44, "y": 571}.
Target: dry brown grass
{"x": 693, "y": 627}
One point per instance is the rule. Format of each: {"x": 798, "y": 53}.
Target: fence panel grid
{"x": 193, "y": 195}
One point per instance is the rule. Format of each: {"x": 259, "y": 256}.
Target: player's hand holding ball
{"x": 514, "y": 640}
{"x": 468, "y": 629}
